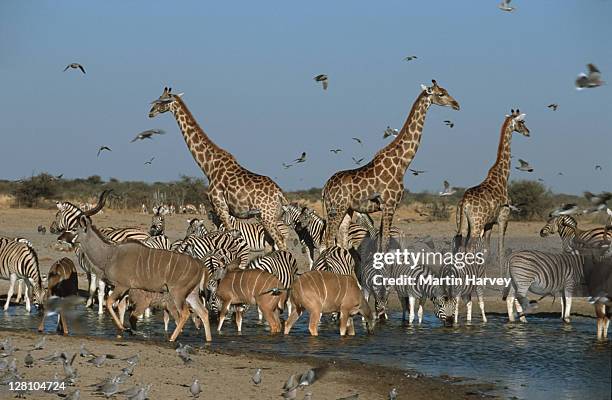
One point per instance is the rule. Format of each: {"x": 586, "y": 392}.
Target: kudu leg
{"x": 184, "y": 316}
{"x": 271, "y": 317}
{"x": 92, "y": 289}
{"x": 63, "y": 324}
{"x": 196, "y": 304}
{"x": 344, "y": 316}
{"x": 222, "y": 313}
{"x": 313, "y": 323}
{"x": 293, "y": 317}
{"x": 350, "y": 326}
{"x": 119, "y": 291}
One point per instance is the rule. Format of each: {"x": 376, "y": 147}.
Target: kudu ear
{"x": 84, "y": 222}
{"x": 219, "y": 273}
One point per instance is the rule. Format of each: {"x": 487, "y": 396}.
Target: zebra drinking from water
{"x": 543, "y": 274}
{"x": 19, "y": 261}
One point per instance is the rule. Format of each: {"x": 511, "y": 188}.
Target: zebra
{"x": 196, "y": 227}
{"x": 464, "y": 290}
{"x": 20, "y": 289}
{"x": 573, "y": 238}
{"x": 157, "y": 242}
{"x": 366, "y": 222}
{"x": 158, "y": 222}
{"x": 254, "y": 234}
{"x": 366, "y": 275}
{"x": 543, "y": 274}
{"x": 228, "y": 243}
{"x": 19, "y": 260}
{"x": 279, "y": 263}
{"x": 336, "y": 259}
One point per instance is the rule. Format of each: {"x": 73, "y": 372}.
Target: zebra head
{"x": 516, "y": 122}
{"x": 305, "y": 217}
{"x": 557, "y": 224}
{"x": 196, "y": 227}
{"x": 291, "y": 214}
{"x": 213, "y": 302}
{"x": 444, "y": 308}
{"x": 166, "y": 102}
{"x": 158, "y": 222}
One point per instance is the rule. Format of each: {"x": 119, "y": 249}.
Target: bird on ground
{"x": 524, "y": 166}
{"x": 83, "y": 352}
{"x": 505, "y": 6}
{"x": 565, "y": 209}
{"x": 301, "y": 158}
{"x": 98, "y": 361}
{"x": 335, "y": 151}
{"x": 103, "y": 148}
{"x": 553, "y": 106}
{"x": 410, "y": 58}
{"x": 74, "y": 66}
{"x": 449, "y": 123}
{"x": 358, "y": 140}
{"x": 309, "y": 377}
{"x": 195, "y": 389}
{"x": 40, "y": 344}
{"x": 148, "y": 134}
{"x": 448, "y": 190}
{"x": 133, "y": 360}
{"x": 76, "y": 395}
{"x": 257, "y": 377}
{"x": 308, "y": 396}
{"x": 29, "y": 360}
{"x": 416, "y": 172}
{"x": 323, "y": 79}
{"x": 150, "y": 162}
{"x": 390, "y": 132}
{"x": 357, "y": 161}
{"x": 393, "y": 394}
{"x": 590, "y": 80}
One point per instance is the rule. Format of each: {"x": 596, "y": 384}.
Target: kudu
{"x": 252, "y": 286}
{"x": 62, "y": 281}
{"x": 131, "y": 265}
{"x": 142, "y": 300}
{"x": 326, "y": 292}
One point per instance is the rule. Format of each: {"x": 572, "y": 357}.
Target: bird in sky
{"x": 448, "y": 123}
{"x": 416, "y": 172}
{"x": 357, "y": 161}
{"x": 335, "y": 151}
{"x": 301, "y": 158}
{"x": 524, "y": 166}
{"x": 390, "y": 132}
{"x": 287, "y": 166}
{"x": 410, "y": 58}
{"x": 148, "y": 134}
{"x": 323, "y": 79}
{"x": 565, "y": 209}
{"x": 358, "y": 140}
{"x": 103, "y": 148}
{"x": 150, "y": 162}
{"x": 448, "y": 190}
{"x": 590, "y": 80}
{"x": 505, "y": 6}
{"x": 553, "y": 106}
{"x": 75, "y": 66}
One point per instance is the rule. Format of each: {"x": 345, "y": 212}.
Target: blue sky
{"x": 246, "y": 69}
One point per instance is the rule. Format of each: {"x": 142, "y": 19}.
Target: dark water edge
{"x": 539, "y": 360}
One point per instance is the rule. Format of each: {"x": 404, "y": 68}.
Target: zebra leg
{"x": 92, "y": 289}
{"x": 458, "y": 298}
{"x": 147, "y": 312}
{"x": 563, "y": 304}
{"x": 420, "y": 312}
{"x": 510, "y": 306}
{"x": 481, "y": 304}
{"x": 310, "y": 255}
{"x": 19, "y": 290}
{"x": 411, "y": 301}
{"x": 12, "y": 279}
{"x": 568, "y": 309}
{"x": 468, "y": 309}
{"x": 404, "y": 302}
{"x": 27, "y": 290}
{"x": 101, "y": 292}
{"x": 519, "y": 310}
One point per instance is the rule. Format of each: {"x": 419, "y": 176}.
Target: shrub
{"x": 536, "y": 199}
{"x": 30, "y": 191}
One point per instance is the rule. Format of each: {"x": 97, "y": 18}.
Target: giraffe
{"x": 379, "y": 185}
{"x": 233, "y": 190}
{"x": 487, "y": 204}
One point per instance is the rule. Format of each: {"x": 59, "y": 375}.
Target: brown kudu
{"x": 251, "y": 286}
{"x": 62, "y": 281}
{"x": 326, "y": 292}
{"x": 131, "y": 265}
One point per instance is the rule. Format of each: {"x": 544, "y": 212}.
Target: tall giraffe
{"x": 233, "y": 190}
{"x": 487, "y": 204}
{"x": 379, "y": 185}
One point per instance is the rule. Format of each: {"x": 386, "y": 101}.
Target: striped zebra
{"x": 157, "y": 242}
{"x": 572, "y": 238}
{"x": 367, "y": 277}
{"x": 365, "y": 221}
{"x": 336, "y": 259}
{"x": 279, "y": 263}
{"x": 542, "y": 274}
{"x": 19, "y": 261}
{"x": 196, "y": 227}
{"x": 253, "y": 234}
{"x": 20, "y": 289}
{"x": 229, "y": 244}
{"x": 158, "y": 222}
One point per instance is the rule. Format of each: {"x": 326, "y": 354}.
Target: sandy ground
{"x": 223, "y": 376}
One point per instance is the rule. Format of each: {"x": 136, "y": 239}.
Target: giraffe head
{"x": 166, "y": 102}
{"x": 438, "y": 95}
{"x": 517, "y": 122}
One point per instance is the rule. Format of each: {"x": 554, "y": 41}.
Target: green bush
{"x": 536, "y": 200}
{"x": 29, "y": 192}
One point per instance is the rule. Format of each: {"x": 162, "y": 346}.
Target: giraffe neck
{"x": 500, "y": 171}
{"x": 406, "y": 144}
{"x": 203, "y": 150}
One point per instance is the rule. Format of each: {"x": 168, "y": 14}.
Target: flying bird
{"x": 358, "y": 140}
{"x": 323, "y": 79}
{"x": 357, "y": 161}
{"x": 148, "y": 134}
{"x": 287, "y": 166}
{"x": 75, "y": 66}
{"x": 516, "y": 208}
{"x": 390, "y": 132}
{"x": 565, "y": 209}
{"x": 410, "y": 58}
{"x": 599, "y": 201}
{"x": 450, "y": 124}
{"x": 102, "y": 148}
{"x": 590, "y": 80}
{"x": 505, "y": 6}
{"x": 598, "y": 167}
{"x": 301, "y": 158}
{"x": 416, "y": 172}
{"x": 524, "y": 166}
{"x": 150, "y": 161}
{"x": 335, "y": 151}
{"x": 553, "y": 106}
{"x": 448, "y": 190}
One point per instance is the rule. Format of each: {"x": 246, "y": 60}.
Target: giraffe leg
{"x": 387, "y": 220}
{"x": 333, "y": 225}
{"x": 343, "y": 229}
{"x": 271, "y": 226}
{"x": 502, "y": 221}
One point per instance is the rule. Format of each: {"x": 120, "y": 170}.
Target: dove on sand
{"x": 103, "y": 148}
{"x": 505, "y": 6}
{"x": 524, "y": 166}
{"x": 75, "y": 66}
{"x": 148, "y": 134}
{"x": 448, "y": 190}
{"x": 98, "y": 361}
{"x": 76, "y": 395}
{"x": 29, "y": 360}
{"x": 195, "y": 389}
{"x": 84, "y": 352}
{"x": 590, "y": 80}
{"x": 323, "y": 79}
{"x": 40, "y": 344}
{"x": 393, "y": 394}
{"x": 257, "y": 377}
